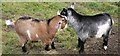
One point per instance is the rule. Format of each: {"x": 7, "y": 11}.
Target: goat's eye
{"x": 62, "y": 20}
{"x": 59, "y": 23}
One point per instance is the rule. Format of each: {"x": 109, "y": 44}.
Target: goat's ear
{"x": 64, "y": 8}
{"x": 58, "y": 12}
{"x": 72, "y": 6}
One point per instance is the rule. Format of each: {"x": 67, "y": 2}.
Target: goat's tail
{"x": 9, "y": 22}
{"x": 110, "y": 18}
{"x": 112, "y": 23}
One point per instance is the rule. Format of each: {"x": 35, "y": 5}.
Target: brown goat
{"x": 32, "y": 29}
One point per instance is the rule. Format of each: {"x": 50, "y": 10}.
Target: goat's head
{"x": 62, "y": 23}
{"x": 68, "y": 11}
{"x": 59, "y": 22}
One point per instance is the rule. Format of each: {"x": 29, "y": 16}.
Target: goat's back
{"x": 35, "y": 28}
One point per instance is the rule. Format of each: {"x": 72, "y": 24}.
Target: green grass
{"x": 46, "y": 10}
{"x": 37, "y": 10}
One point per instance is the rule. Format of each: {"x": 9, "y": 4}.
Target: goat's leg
{"x": 105, "y": 42}
{"x": 52, "y": 45}
{"x": 78, "y": 43}
{"x": 23, "y": 42}
{"x": 81, "y": 45}
{"x": 47, "y": 43}
{"x": 47, "y": 47}
{"x": 105, "y": 39}
{"x": 24, "y": 49}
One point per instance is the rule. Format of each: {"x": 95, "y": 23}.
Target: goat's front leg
{"x": 81, "y": 45}
{"x": 24, "y": 49}
{"x": 78, "y": 46}
{"x": 47, "y": 47}
{"x": 23, "y": 42}
{"x": 47, "y": 41}
{"x": 52, "y": 45}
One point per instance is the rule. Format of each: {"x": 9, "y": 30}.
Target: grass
{"x": 37, "y": 10}
{"x": 46, "y": 10}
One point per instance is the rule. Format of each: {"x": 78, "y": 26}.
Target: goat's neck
{"x": 52, "y": 31}
{"x": 73, "y": 22}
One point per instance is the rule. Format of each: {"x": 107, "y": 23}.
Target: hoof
{"x": 78, "y": 46}
{"x": 47, "y": 49}
{"x": 105, "y": 47}
{"x": 53, "y": 48}
{"x": 81, "y": 51}
{"x": 24, "y": 49}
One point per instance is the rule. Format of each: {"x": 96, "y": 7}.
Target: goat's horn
{"x": 72, "y": 5}
{"x": 58, "y": 12}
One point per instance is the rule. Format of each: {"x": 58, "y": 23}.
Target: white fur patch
{"x": 105, "y": 47}
{"x": 9, "y": 22}
{"x": 22, "y": 44}
{"x": 102, "y": 29}
{"x": 72, "y": 6}
{"x": 37, "y": 35}
{"x": 28, "y": 33}
{"x": 64, "y": 17}
{"x": 58, "y": 26}
{"x": 65, "y": 26}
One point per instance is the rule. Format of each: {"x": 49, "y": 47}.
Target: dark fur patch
{"x": 34, "y": 41}
{"x": 25, "y": 17}
{"x": 53, "y": 18}
{"x": 60, "y": 16}
{"x": 48, "y": 21}
{"x": 36, "y": 20}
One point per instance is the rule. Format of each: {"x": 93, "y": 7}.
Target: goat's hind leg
{"x": 105, "y": 39}
{"x": 105, "y": 42}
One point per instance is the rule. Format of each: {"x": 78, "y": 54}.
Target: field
{"x": 66, "y": 40}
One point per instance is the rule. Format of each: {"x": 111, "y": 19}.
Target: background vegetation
{"x": 44, "y": 10}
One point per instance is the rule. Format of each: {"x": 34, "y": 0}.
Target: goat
{"x": 30, "y": 29}
{"x": 97, "y": 26}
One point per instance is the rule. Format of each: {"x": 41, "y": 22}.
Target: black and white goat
{"x": 97, "y": 26}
